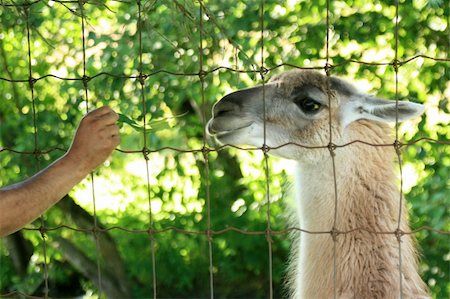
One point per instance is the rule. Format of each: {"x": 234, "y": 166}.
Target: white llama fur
{"x": 367, "y": 264}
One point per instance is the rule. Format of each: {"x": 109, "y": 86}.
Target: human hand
{"x": 96, "y": 138}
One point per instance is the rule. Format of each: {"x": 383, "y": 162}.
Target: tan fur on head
{"x": 331, "y": 85}
{"x": 298, "y": 105}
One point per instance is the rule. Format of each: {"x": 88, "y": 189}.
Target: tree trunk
{"x": 110, "y": 259}
{"x": 20, "y": 250}
{"x": 107, "y": 283}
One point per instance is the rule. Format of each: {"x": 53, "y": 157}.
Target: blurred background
{"x": 176, "y": 102}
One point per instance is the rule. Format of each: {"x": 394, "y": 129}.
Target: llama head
{"x": 294, "y": 108}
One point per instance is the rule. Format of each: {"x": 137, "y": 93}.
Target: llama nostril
{"x": 222, "y": 112}
{"x": 223, "y": 108}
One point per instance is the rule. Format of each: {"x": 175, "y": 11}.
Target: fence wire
{"x": 205, "y": 150}
{"x": 31, "y": 83}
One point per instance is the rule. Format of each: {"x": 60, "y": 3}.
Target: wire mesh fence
{"x": 140, "y": 80}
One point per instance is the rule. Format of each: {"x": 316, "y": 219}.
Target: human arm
{"x": 96, "y": 137}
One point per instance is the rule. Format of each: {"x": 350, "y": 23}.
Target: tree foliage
{"x": 177, "y": 101}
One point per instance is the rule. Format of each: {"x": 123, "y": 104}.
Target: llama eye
{"x": 308, "y": 105}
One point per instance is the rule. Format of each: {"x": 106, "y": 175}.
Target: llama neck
{"x": 368, "y": 199}
{"x": 363, "y": 187}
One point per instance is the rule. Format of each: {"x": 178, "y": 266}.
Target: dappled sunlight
{"x": 410, "y": 177}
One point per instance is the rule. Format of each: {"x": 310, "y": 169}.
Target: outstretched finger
{"x": 100, "y": 111}
{"x": 111, "y": 130}
{"x": 107, "y": 119}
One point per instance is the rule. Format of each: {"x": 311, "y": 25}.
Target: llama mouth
{"x": 223, "y": 134}
{"x": 220, "y": 133}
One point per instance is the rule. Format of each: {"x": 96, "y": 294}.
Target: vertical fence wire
{"x": 205, "y": 151}
{"x": 265, "y": 148}
{"x": 397, "y": 148}
{"x": 85, "y": 80}
{"x": 37, "y": 152}
{"x": 145, "y": 151}
{"x": 331, "y": 148}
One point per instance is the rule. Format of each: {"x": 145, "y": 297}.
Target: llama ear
{"x": 380, "y": 110}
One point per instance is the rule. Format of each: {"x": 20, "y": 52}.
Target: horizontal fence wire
{"x": 206, "y": 72}
{"x": 234, "y": 229}
{"x": 205, "y": 150}
{"x": 398, "y": 145}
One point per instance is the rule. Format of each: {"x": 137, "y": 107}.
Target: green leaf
{"x": 154, "y": 125}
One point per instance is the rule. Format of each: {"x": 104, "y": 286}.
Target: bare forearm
{"x": 24, "y": 202}
{"x": 96, "y": 137}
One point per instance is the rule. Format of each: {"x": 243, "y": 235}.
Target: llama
{"x": 297, "y": 112}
